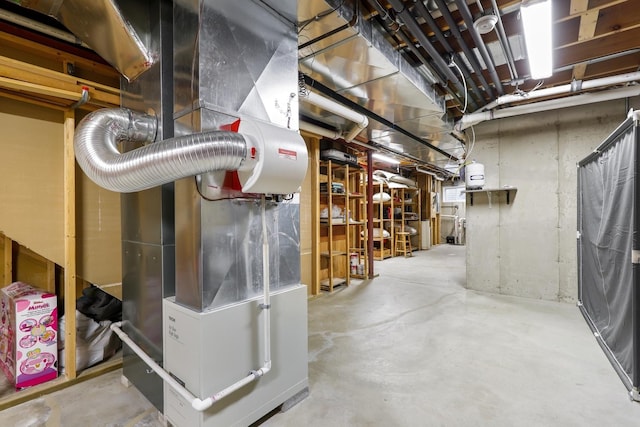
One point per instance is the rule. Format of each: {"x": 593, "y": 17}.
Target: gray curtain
{"x": 605, "y": 222}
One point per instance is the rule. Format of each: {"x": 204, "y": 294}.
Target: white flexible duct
{"x": 96, "y": 146}
{"x": 554, "y": 104}
{"x": 361, "y": 121}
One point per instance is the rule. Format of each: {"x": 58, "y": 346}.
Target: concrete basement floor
{"x": 412, "y": 347}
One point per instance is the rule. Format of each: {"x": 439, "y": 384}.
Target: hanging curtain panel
{"x": 607, "y": 248}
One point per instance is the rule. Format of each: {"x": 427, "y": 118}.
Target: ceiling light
{"x": 385, "y": 159}
{"x": 536, "y": 20}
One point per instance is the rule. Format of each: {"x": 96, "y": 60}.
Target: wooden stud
{"x": 69, "y": 245}
{"x": 8, "y": 261}
{"x": 314, "y": 156}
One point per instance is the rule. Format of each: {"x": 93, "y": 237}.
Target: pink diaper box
{"x": 28, "y": 334}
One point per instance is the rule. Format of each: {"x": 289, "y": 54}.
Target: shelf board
{"x": 337, "y": 281}
{"x": 335, "y": 221}
{"x": 507, "y": 189}
{"x": 326, "y": 254}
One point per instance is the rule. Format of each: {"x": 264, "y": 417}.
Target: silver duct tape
{"x": 96, "y": 146}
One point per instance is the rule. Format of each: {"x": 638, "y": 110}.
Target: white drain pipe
{"x": 554, "y": 104}
{"x": 575, "y": 86}
{"x": 204, "y": 404}
{"x": 319, "y": 130}
{"x": 361, "y": 121}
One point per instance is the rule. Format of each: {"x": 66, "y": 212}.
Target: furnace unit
{"x": 207, "y": 154}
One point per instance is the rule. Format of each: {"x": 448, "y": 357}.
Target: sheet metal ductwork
{"x": 102, "y": 26}
{"x": 349, "y": 54}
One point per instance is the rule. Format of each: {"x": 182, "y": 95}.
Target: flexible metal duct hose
{"x": 96, "y": 146}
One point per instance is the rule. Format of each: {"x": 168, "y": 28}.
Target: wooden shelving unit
{"x": 383, "y": 222}
{"x": 407, "y": 203}
{"x": 357, "y": 213}
{"x": 334, "y": 234}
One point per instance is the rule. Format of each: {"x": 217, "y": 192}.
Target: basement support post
{"x": 69, "y": 245}
{"x": 370, "y": 212}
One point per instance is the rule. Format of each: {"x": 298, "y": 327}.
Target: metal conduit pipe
{"x": 477, "y": 69}
{"x": 424, "y": 13}
{"x": 96, "y": 147}
{"x": 502, "y": 35}
{"x": 427, "y": 63}
{"x": 471, "y": 57}
{"x": 554, "y": 104}
{"x": 388, "y": 22}
{"x": 414, "y": 27}
{"x": 486, "y": 57}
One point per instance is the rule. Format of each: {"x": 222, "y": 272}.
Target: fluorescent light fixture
{"x": 386, "y": 159}
{"x": 536, "y": 20}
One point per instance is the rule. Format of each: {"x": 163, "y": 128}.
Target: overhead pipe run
{"x": 482, "y": 48}
{"x": 575, "y": 86}
{"x": 424, "y": 13}
{"x": 413, "y": 26}
{"x": 471, "y": 57}
{"x": 361, "y": 121}
{"x": 504, "y": 41}
{"x": 554, "y": 104}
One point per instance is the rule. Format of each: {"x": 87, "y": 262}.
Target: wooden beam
{"x": 57, "y": 55}
{"x": 53, "y": 82}
{"x": 579, "y": 71}
{"x": 7, "y": 261}
{"x": 588, "y": 22}
{"x": 578, "y": 6}
{"x": 23, "y": 86}
{"x": 69, "y": 245}
{"x": 596, "y": 9}
{"x": 597, "y": 47}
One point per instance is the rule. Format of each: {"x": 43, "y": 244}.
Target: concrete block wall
{"x": 528, "y": 247}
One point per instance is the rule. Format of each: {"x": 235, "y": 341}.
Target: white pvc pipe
{"x": 554, "y": 104}
{"x": 266, "y": 303}
{"x": 196, "y": 403}
{"x": 319, "y": 130}
{"x": 361, "y": 121}
{"x": 567, "y": 88}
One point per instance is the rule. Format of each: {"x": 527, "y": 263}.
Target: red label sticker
{"x": 287, "y": 154}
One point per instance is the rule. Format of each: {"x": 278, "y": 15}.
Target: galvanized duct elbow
{"x": 96, "y": 146}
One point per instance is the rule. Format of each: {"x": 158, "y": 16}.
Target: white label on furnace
{"x": 287, "y": 154}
